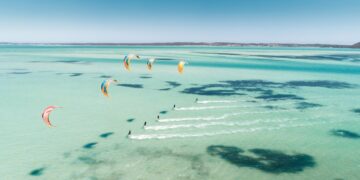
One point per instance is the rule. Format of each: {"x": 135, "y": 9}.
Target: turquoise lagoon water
{"x": 262, "y": 113}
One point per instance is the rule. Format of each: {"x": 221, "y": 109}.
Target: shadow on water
{"x": 37, "y": 172}
{"x": 20, "y": 73}
{"x": 137, "y": 86}
{"x": 266, "y": 160}
{"x": 106, "y": 135}
{"x": 130, "y": 119}
{"x": 165, "y": 89}
{"x": 345, "y": 133}
{"x": 145, "y": 77}
{"x": 356, "y": 110}
{"x": 89, "y": 145}
{"x": 105, "y": 76}
{"x": 75, "y": 74}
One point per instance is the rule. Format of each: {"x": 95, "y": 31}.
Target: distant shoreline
{"x": 357, "y": 45}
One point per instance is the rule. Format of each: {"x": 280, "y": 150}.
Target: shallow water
{"x": 262, "y": 113}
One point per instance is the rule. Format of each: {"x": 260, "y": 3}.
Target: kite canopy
{"x": 150, "y": 63}
{"x": 105, "y": 86}
{"x": 181, "y": 66}
{"x": 127, "y": 60}
{"x": 46, "y": 113}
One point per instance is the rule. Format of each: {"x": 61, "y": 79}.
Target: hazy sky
{"x": 287, "y": 21}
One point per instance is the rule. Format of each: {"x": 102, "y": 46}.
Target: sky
{"x": 134, "y": 21}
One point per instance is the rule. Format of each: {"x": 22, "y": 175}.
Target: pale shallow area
{"x": 262, "y": 113}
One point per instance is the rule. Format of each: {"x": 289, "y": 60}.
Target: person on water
{"x": 129, "y": 133}
{"x": 158, "y": 117}
{"x": 174, "y": 106}
{"x": 145, "y": 123}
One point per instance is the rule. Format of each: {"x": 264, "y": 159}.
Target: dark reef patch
{"x": 89, "y": 145}
{"x": 345, "y": 133}
{"x": 137, "y": 86}
{"x": 238, "y": 87}
{"x": 106, "y": 135}
{"x": 321, "y": 83}
{"x": 356, "y": 110}
{"x": 37, "y": 172}
{"x": 277, "y": 97}
{"x": 163, "y": 112}
{"x": 173, "y": 84}
{"x": 307, "y": 105}
{"x": 266, "y": 160}
{"x": 130, "y": 119}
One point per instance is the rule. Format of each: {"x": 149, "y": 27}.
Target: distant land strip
{"x": 357, "y": 45}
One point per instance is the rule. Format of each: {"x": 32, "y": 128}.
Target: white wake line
{"x": 219, "y": 101}
{"x": 212, "y": 118}
{"x": 280, "y": 126}
{"x": 196, "y": 108}
{"x": 222, "y": 123}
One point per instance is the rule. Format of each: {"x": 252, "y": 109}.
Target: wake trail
{"x": 179, "y": 135}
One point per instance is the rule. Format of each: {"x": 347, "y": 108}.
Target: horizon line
{"x": 179, "y": 42}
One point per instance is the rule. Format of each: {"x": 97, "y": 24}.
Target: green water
{"x": 262, "y": 113}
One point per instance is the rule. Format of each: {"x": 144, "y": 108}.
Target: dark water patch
{"x": 137, "y": 86}
{"x": 37, "y": 172}
{"x": 231, "y": 87}
{"x": 106, "y": 135}
{"x": 89, "y": 145}
{"x": 345, "y": 133}
{"x": 331, "y": 57}
{"x": 105, "y": 76}
{"x": 18, "y": 69}
{"x": 163, "y": 112}
{"x": 252, "y": 101}
{"x": 130, "y": 120}
{"x": 220, "y": 53}
{"x": 356, "y": 110}
{"x": 197, "y": 165}
{"x": 173, "y": 84}
{"x": 307, "y": 105}
{"x": 273, "y": 107}
{"x": 238, "y": 87}
{"x": 270, "y": 96}
{"x": 145, "y": 77}
{"x": 165, "y": 89}
{"x": 17, "y": 72}
{"x": 266, "y": 160}
{"x": 68, "y": 61}
{"x": 321, "y": 83}
{"x": 75, "y": 74}
{"x": 89, "y": 160}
